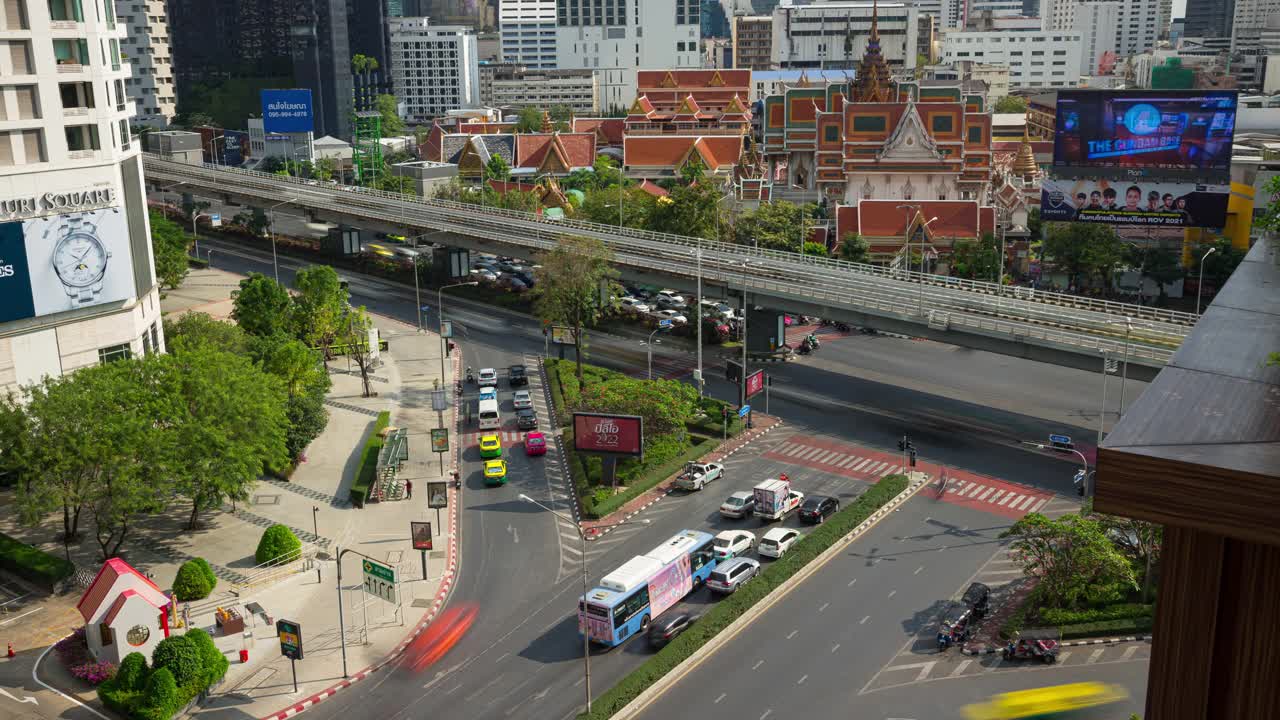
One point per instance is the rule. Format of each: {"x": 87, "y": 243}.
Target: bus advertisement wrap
{"x": 598, "y": 627}
{"x": 611, "y": 434}
{"x": 1162, "y": 133}
{"x": 669, "y": 586}
{"x": 1140, "y": 202}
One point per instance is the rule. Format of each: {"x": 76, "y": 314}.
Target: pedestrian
{"x": 408, "y": 489}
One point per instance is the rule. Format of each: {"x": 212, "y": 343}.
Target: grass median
{"x": 729, "y": 609}
{"x": 368, "y": 467}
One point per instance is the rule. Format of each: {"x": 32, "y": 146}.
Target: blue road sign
{"x": 744, "y": 411}
{"x": 1060, "y": 439}
{"x": 426, "y": 308}
{"x": 664, "y": 323}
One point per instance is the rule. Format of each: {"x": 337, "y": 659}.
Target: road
{"x": 520, "y": 566}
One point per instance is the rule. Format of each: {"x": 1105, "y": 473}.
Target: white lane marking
{"x": 1094, "y": 656}
{"x": 889, "y": 470}
{"x": 1009, "y": 497}
{"x": 851, "y": 582}
{"x": 33, "y": 701}
{"x": 860, "y": 465}
{"x": 825, "y": 605}
{"x": 757, "y": 665}
{"x": 813, "y": 452}
{"x": 960, "y": 668}
{"x": 722, "y": 696}
{"x": 802, "y": 679}
{"x": 995, "y": 665}
{"x": 1129, "y": 651}
{"x": 917, "y": 572}
{"x": 835, "y": 647}
{"x": 996, "y": 496}
{"x": 975, "y": 490}
{"x": 1063, "y": 657}
{"x": 578, "y": 683}
{"x": 924, "y": 671}
{"x": 15, "y": 619}
{"x": 1027, "y": 503}
{"x": 825, "y": 457}
{"x": 849, "y": 461}
{"x": 796, "y": 450}
{"x": 766, "y": 714}
{"x": 864, "y": 620}
{"x": 892, "y": 593}
{"x": 792, "y": 634}
{"x": 984, "y": 495}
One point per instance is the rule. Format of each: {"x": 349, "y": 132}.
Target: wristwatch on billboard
{"x": 79, "y": 259}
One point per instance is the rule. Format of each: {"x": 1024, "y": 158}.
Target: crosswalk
{"x": 674, "y": 367}
{"x": 1001, "y": 497}
{"x": 832, "y": 457}
{"x": 796, "y": 333}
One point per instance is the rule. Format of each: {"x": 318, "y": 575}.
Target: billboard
{"x": 420, "y": 533}
{"x": 562, "y": 335}
{"x": 287, "y": 111}
{"x": 609, "y": 434}
{"x": 1163, "y": 133}
{"x": 57, "y": 263}
{"x": 755, "y": 383}
{"x": 1134, "y": 202}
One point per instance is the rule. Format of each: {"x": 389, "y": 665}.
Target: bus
{"x": 489, "y": 417}
{"x": 644, "y": 587}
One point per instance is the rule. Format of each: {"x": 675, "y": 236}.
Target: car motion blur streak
{"x": 440, "y": 637}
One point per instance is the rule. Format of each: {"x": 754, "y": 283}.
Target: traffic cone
{"x": 11, "y": 652}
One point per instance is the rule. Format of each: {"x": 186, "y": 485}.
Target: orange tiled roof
{"x": 486, "y": 128}
{"x": 576, "y": 149}
{"x": 956, "y": 218}
{"x": 433, "y": 147}
{"x": 653, "y": 188}
{"x": 692, "y": 80}
{"x": 719, "y": 152}
{"x": 607, "y": 129}
{"x": 111, "y": 571}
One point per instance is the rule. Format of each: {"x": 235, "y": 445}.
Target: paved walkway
{"x": 314, "y": 503}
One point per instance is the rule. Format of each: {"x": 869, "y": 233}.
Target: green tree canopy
{"x": 263, "y": 307}
{"x": 774, "y": 225}
{"x": 320, "y": 306}
{"x": 815, "y": 248}
{"x": 194, "y": 329}
{"x": 610, "y": 204}
{"x": 1218, "y": 266}
{"x": 1073, "y": 557}
{"x": 568, "y": 286}
{"x": 976, "y": 259}
{"x": 392, "y": 124}
{"x": 1083, "y": 249}
{"x": 529, "y": 120}
{"x": 497, "y": 169}
{"x": 1011, "y": 104}
{"x": 853, "y": 248}
{"x": 1161, "y": 265}
{"x": 689, "y": 210}
{"x": 169, "y": 247}
{"x": 665, "y": 405}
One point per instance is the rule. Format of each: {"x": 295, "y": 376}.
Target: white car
{"x": 634, "y": 305}
{"x": 488, "y": 377}
{"x": 777, "y": 541}
{"x": 675, "y": 317}
{"x": 671, "y": 299}
{"x": 732, "y": 543}
{"x": 521, "y": 400}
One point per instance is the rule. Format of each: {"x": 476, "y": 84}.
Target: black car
{"x": 977, "y": 597}
{"x": 527, "y": 419}
{"x": 817, "y": 508}
{"x": 517, "y": 375}
{"x": 666, "y": 628}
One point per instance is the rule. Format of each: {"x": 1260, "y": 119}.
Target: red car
{"x": 535, "y": 443}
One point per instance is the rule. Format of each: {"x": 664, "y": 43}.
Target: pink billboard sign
{"x": 671, "y": 584}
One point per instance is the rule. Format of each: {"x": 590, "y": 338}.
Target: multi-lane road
{"x": 844, "y": 409}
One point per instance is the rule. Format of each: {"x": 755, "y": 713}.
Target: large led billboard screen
{"x": 57, "y": 263}
{"x": 1134, "y": 202}
{"x": 608, "y": 434}
{"x": 1166, "y": 134}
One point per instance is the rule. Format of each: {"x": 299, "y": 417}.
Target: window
{"x": 82, "y": 137}
{"x": 975, "y": 134}
{"x": 19, "y": 57}
{"x": 869, "y": 123}
{"x": 28, "y": 103}
{"x": 114, "y": 353}
{"x": 66, "y": 11}
{"x": 105, "y": 634}
{"x": 138, "y": 634}
{"x": 831, "y": 133}
{"x": 71, "y": 52}
{"x": 943, "y": 123}
{"x": 13, "y": 15}
{"x": 627, "y": 609}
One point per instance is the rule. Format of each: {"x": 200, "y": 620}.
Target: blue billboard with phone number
{"x": 287, "y": 111}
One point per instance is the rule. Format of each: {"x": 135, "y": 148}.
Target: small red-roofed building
{"x": 885, "y": 226}
{"x": 123, "y": 612}
{"x": 656, "y": 157}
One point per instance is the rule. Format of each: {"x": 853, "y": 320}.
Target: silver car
{"x": 738, "y": 505}
{"x": 731, "y": 575}
{"x": 521, "y": 400}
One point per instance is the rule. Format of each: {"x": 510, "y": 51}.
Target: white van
{"x": 489, "y": 417}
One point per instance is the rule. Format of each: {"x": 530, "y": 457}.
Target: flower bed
{"x": 73, "y": 653}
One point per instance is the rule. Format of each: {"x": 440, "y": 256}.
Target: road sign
{"x": 664, "y": 323}
{"x": 426, "y": 308}
{"x": 755, "y": 383}
{"x": 215, "y": 220}
{"x": 440, "y": 440}
{"x": 439, "y": 402}
{"x": 1061, "y": 442}
{"x": 290, "y": 634}
{"x": 744, "y": 411}
{"x": 420, "y": 532}
{"x": 446, "y": 329}
{"x": 379, "y": 580}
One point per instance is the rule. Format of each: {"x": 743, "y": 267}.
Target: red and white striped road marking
{"x": 837, "y": 458}
{"x": 1009, "y": 499}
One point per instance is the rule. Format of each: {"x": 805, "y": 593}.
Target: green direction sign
{"x": 379, "y": 580}
{"x": 290, "y": 634}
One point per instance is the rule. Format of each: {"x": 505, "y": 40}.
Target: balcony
{"x": 72, "y": 55}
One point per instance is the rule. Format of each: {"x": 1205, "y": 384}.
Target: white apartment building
{"x": 435, "y": 68}
{"x": 146, "y": 48}
{"x": 1036, "y": 59}
{"x": 528, "y": 29}
{"x": 1098, "y": 24}
{"x": 77, "y": 279}
{"x": 578, "y": 90}
{"x": 1137, "y": 30}
{"x": 998, "y": 8}
{"x": 1249, "y": 21}
{"x": 833, "y": 35}
{"x": 616, "y": 38}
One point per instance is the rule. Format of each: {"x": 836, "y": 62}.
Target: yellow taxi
{"x": 495, "y": 472}
{"x": 490, "y": 446}
{"x": 1076, "y": 701}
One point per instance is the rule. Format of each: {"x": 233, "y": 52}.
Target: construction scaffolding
{"x": 366, "y": 147}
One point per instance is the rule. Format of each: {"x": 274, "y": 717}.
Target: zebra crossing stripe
{"x": 996, "y": 496}
{"x": 984, "y": 495}
{"x": 1037, "y": 506}
{"x": 861, "y": 465}
{"x": 958, "y": 488}
{"x": 975, "y": 490}
{"x": 827, "y": 456}
{"x": 889, "y": 471}
{"x": 1030, "y": 499}
{"x": 848, "y": 461}
{"x": 1009, "y": 497}
{"x": 810, "y": 454}
{"x": 794, "y": 450}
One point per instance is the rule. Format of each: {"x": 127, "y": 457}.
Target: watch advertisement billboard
{"x": 57, "y": 263}
{"x": 287, "y": 111}
{"x": 608, "y": 434}
{"x": 1172, "y": 134}
{"x": 1136, "y": 202}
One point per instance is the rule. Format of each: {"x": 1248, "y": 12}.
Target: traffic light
{"x": 913, "y": 457}
{"x": 905, "y": 444}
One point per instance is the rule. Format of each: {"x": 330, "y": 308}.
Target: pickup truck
{"x": 775, "y": 499}
{"x": 697, "y": 475}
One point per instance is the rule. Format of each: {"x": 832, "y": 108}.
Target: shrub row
{"x": 185, "y": 666}
{"x": 726, "y": 611}
{"x": 1120, "y": 611}
{"x": 368, "y": 466}
{"x": 1109, "y": 628}
{"x": 32, "y": 563}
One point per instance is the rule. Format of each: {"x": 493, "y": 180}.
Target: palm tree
{"x": 364, "y": 65}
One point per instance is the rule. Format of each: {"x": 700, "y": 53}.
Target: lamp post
{"x": 649, "y": 345}
{"x": 742, "y": 381}
{"x": 1108, "y": 367}
{"x": 1200, "y": 285}
{"x": 417, "y": 291}
{"x": 1124, "y": 370}
{"x": 440, "y": 316}
{"x": 271, "y": 220}
{"x": 586, "y": 637}
{"x": 697, "y": 315}
{"x": 1088, "y": 484}
{"x": 195, "y": 234}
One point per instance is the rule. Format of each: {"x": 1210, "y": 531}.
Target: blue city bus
{"x": 644, "y": 587}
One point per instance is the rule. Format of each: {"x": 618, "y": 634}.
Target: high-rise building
{"x": 322, "y": 62}
{"x": 616, "y": 38}
{"x": 835, "y": 35}
{"x": 435, "y": 68}
{"x": 77, "y": 277}
{"x": 1036, "y": 58}
{"x": 1098, "y": 24}
{"x": 1248, "y": 22}
{"x": 146, "y": 45}
{"x": 753, "y": 42}
{"x": 715, "y": 22}
{"x": 1137, "y": 29}
{"x": 528, "y": 32}
{"x": 1209, "y": 18}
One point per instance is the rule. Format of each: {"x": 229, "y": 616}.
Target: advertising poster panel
{"x": 755, "y": 383}
{"x": 64, "y": 262}
{"x": 562, "y": 335}
{"x": 1136, "y": 202}
{"x": 611, "y": 434}
{"x": 287, "y": 111}
{"x": 595, "y": 623}
{"x": 1172, "y": 134}
{"x": 669, "y": 585}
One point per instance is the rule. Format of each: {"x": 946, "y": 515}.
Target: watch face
{"x": 80, "y": 260}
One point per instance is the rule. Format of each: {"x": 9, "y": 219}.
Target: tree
{"x": 815, "y": 248}
{"x": 1156, "y": 263}
{"x": 181, "y": 657}
{"x": 978, "y": 259}
{"x": 194, "y": 581}
{"x": 1083, "y": 249}
{"x": 387, "y": 181}
{"x": 263, "y": 307}
{"x": 194, "y": 329}
{"x": 278, "y": 542}
{"x": 392, "y": 124}
{"x": 529, "y": 120}
{"x": 353, "y": 338}
{"x": 1219, "y": 265}
{"x": 324, "y": 169}
{"x": 1137, "y": 540}
{"x": 320, "y": 307}
{"x": 853, "y": 248}
{"x": 774, "y": 225}
{"x": 254, "y": 220}
{"x": 1011, "y": 104}
{"x": 610, "y": 204}
{"x": 1269, "y": 218}
{"x": 497, "y": 169}
{"x": 169, "y": 247}
{"x": 689, "y": 210}
{"x": 1075, "y": 561}
{"x": 561, "y": 118}
{"x": 567, "y": 288}
{"x": 15, "y": 439}
{"x": 665, "y": 405}
{"x": 194, "y": 120}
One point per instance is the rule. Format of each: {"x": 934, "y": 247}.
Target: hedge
{"x": 729, "y": 609}
{"x": 32, "y": 563}
{"x": 1109, "y": 628}
{"x": 1120, "y": 611}
{"x": 368, "y": 467}
{"x": 185, "y": 666}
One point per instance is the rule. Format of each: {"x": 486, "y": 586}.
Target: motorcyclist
{"x": 813, "y": 341}
{"x": 470, "y": 376}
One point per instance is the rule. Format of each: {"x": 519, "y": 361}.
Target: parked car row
{"x": 510, "y": 273}
{"x": 671, "y": 305}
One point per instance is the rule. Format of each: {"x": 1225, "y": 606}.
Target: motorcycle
{"x": 813, "y": 342}
{"x": 1042, "y": 645}
{"x": 804, "y": 348}
{"x": 470, "y": 376}
{"x": 954, "y": 626}
{"x": 842, "y": 327}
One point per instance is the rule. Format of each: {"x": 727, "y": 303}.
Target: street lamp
{"x": 440, "y": 313}
{"x": 1108, "y": 368}
{"x": 1124, "y": 371}
{"x": 417, "y": 292}
{"x": 1088, "y": 485}
{"x": 1200, "y": 285}
{"x": 697, "y": 315}
{"x": 195, "y": 234}
{"x": 271, "y": 221}
{"x": 586, "y": 638}
{"x": 649, "y": 344}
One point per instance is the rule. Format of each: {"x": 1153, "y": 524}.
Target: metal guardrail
{"x": 1065, "y": 319}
